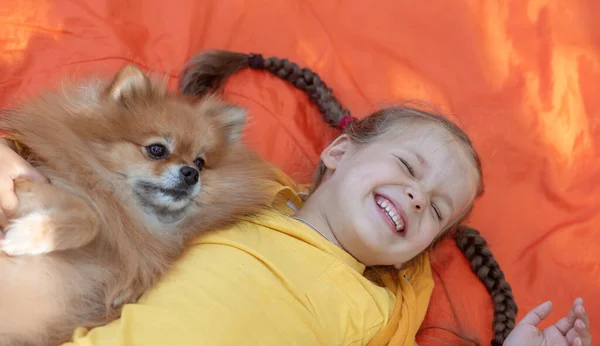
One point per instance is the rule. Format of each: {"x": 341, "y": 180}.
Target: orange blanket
{"x": 520, "y": 76}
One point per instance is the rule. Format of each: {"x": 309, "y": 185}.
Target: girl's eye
{"x": 437, "y": 211}
{"x": 157, "y": 151}
{"x": 199, "y": 163}
{"x": 408, "y": 167}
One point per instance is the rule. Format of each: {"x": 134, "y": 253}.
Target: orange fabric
{"x": 520, "y": 76}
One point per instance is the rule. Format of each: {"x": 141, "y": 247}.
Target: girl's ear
{"x": 332, "y": 155}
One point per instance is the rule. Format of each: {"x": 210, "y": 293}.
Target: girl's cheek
{"x": 430, "y": 232}
{"x": 365, "y": 172}
{"x": 425, "y": 244}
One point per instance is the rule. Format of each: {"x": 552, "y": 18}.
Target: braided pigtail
{"x": 309, "y": 82}
{"x": 483, "y": 263}
{"x": 207, "y": 72}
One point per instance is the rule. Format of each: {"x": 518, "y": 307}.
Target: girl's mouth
{"x": 390, "y": 214}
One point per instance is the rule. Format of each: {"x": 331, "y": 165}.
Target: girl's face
{"x": 387, "y": 201}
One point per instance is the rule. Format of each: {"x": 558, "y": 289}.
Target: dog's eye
{"x": 199, "y": 163}
{"x": 157, "y": 151}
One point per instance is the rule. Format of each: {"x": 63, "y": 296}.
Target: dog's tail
{"x": 208, "y": 71}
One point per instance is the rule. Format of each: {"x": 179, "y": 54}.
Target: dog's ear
{"x": 128, "y": 82}
{"x": 233, "y": 120}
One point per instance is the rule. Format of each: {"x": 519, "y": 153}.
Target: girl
{"x": 387, "y": 189}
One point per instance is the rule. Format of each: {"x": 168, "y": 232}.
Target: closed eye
{"x": 437, "y": 212}
{"x": 408, "y": 166}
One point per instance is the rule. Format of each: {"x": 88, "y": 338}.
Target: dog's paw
{"x": 28, "y": 235}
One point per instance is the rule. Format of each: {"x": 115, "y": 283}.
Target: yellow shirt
{"x": 270, "y": 280}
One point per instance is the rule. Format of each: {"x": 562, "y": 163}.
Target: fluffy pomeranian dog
{"x": 135, "y": 172}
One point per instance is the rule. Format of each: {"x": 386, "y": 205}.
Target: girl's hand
{"x": 571, "y": 330}
{"x": 12, "y": 166}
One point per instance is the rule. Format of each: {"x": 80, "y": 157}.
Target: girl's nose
{"x": 416, "y": 198}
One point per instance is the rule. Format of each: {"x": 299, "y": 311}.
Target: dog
{"x": 135, "y": 171}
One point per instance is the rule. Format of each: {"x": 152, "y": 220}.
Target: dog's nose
{"x": 189, "y": 174}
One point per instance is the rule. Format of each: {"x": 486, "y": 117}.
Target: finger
{"x": 572, "y": 336}
{"x": 583, "y": 330}
{"x": 8, "y": 199}
{"x": 537, "y": 314}
{"x": 581, "y": 314}
{"x": 566, "y": 323}
{"x": 3, "y": 222}
{"x": 582, "y": 324}
{"x": 30, "y": 174}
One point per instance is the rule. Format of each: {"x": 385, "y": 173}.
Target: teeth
{"x": 391, "y": 212}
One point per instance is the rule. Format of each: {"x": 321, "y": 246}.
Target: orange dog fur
{"x": 135, "y": 171}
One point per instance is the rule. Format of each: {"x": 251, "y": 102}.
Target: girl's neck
{"x": 312, "y": 215}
